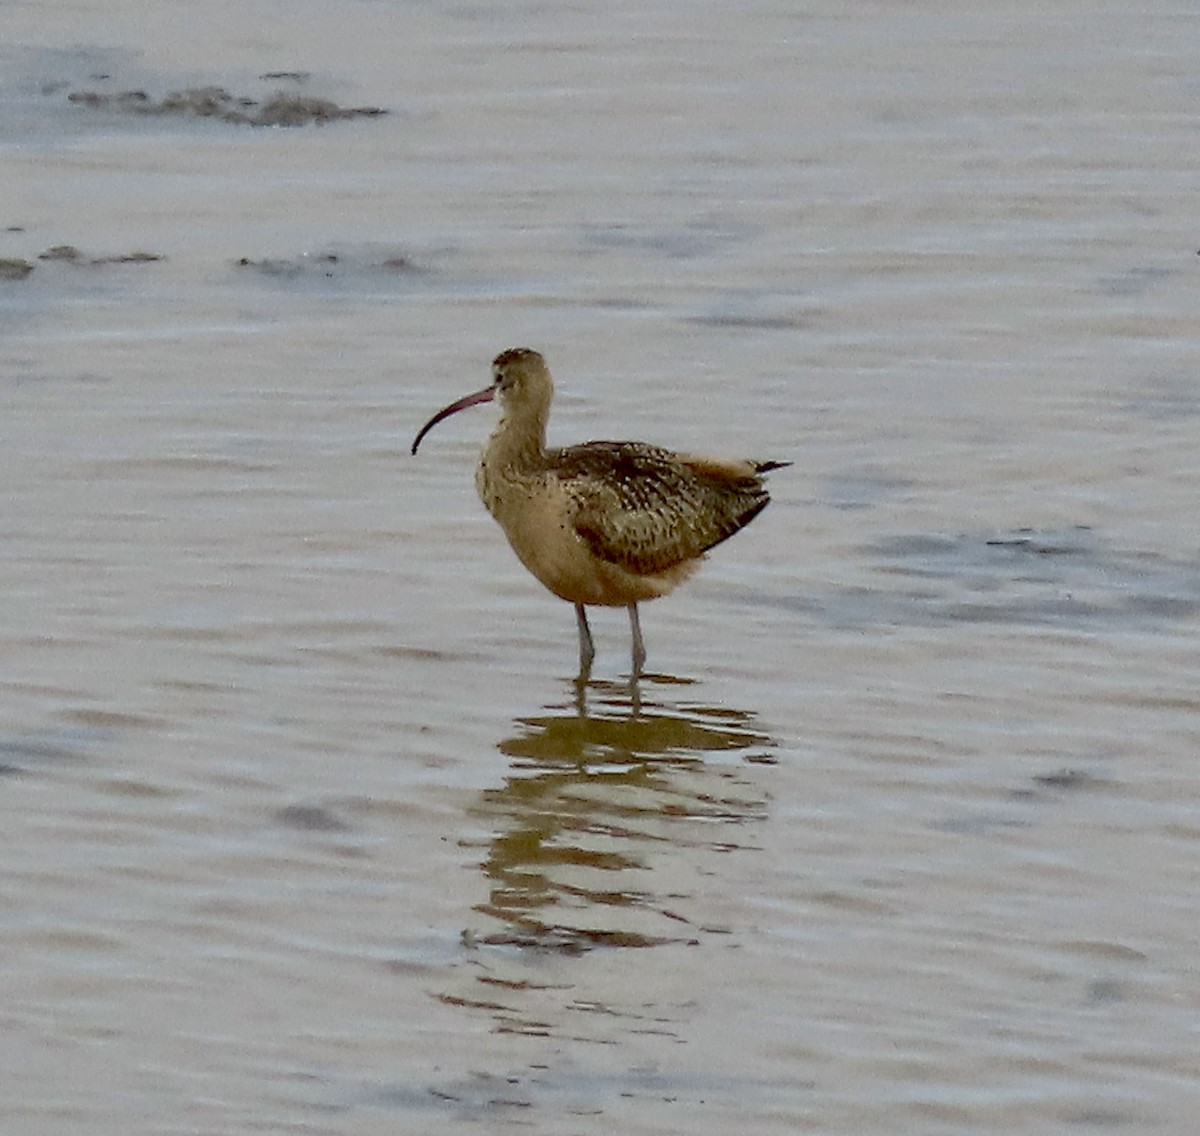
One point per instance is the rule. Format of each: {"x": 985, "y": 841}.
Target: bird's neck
{"x": 519, "y": 439}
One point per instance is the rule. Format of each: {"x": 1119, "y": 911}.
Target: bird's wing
{"x": 647, "y": 509}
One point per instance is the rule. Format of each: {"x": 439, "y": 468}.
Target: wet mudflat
{"x": 308, "y": 829}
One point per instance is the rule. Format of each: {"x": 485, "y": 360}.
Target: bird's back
{"x": 648, "y": 509}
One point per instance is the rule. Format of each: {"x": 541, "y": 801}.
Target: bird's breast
{"x": 537, "y": 513}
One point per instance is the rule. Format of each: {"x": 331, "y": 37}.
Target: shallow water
{"x": 307, "y": 828}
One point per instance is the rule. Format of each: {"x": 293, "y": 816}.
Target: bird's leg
{"x": 639, "y": 648}
{"x": 587, "y": 652}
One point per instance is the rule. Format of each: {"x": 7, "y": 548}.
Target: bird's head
{"x": 521, "y": 383}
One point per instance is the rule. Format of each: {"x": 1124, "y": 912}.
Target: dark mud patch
{"x": 50, "y": 95}
{"x": 327, "y": 263}
{"x": 14, "y": 268}
{"x": 69, "y": 254}
{"x": 282, "y": 108}
{"x": 18, "y": 268}
{"x": 376, "y": 268}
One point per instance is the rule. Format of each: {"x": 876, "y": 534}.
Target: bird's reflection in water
{"x": 605, "y": 811}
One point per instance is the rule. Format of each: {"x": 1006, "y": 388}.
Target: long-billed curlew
{"x": 609, "y": 523}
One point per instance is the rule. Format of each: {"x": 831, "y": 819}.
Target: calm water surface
{"x": 305, "y": 827}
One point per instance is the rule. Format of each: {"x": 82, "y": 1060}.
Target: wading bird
{"x": 608, "y": 523}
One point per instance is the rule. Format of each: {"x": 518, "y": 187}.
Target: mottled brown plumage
{"x": 649, "y": 509}
{"x": 609, "y": 523}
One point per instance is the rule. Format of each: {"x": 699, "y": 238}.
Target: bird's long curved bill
{"x": 485, "y": 395}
